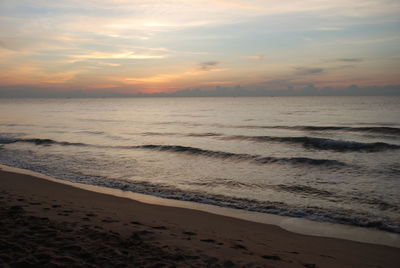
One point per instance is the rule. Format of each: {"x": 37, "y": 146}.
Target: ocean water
{"x": 334, "y": 159}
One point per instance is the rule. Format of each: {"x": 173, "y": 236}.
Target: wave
{"x": 92, "y": 132}
{"x": 208, "y": 134}
{"x": 16, "y": 125}
{"x": 313, "y": 210}
{"x": 41, "y": 142}
{"x": 342, "y": 216}
{"x": 307, "y": 142}
{"x": 191, "y": 151}
{"x": 224, "y": 182}
{"x": 155, "y": 134}
{"x": 332, "y": 196}
{"x": 303, "y": 189}
{"x": 240, "y": 157}
{"x": 379, "y": 130}
{"x": 316, "y": 213}
{"x": 386, "y": 130}
{"x": 322, "y": 143}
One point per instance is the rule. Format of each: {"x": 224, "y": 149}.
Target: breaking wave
{"x": 307, "y": 142}
{"x": 343, "y": 216}
{"x": 379, "y": 130}
{"x": 238, "y": 157}
{"x": 350, "y": 217}
{"x": 192, "y": 151}
{"x": 40, "y": 142}
{"x": 322, "y": 143}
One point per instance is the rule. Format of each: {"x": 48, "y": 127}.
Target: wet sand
{"x": 49, "y": 224}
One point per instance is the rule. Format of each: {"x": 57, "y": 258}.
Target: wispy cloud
{"x": 369, "y": 41}
{"x": 184, "y": 43}
{"x": 258, "y": 57}
{"x": 308, "y": 71}
{"x": 342, "y": 60}
{"x": 123, "y": 55}
{"x": 208, "y": 65}
{"x": 205, "y": 67}
{"x": 327, "y": 29}
{"x": 350, "y": 60}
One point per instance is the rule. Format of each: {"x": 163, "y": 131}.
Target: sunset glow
{"x": 165, "y": 46}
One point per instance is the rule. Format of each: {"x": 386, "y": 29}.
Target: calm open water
{"x": 333, "y": 159}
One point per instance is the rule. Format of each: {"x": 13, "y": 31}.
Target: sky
{"x": 137, "y": 46}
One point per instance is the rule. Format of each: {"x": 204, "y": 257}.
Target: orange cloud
{"x": 124, "y": 55}
{"x": 168, "y": 78}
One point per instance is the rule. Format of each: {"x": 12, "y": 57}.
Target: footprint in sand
{"x": 272, "y": 257}
{"x": 108, "y": 220}
{"x": 208, "y": 240}
{"x": 144, "y": 232}
{"x": 310, "y": 265}
{"x": 189, "y": 233}
{"x": 159, "y": 227}
{"x": 326, "y": 256}
{"x": 238, "y": 246}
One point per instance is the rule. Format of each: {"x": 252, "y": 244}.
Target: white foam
{"x": 297, "y": 225}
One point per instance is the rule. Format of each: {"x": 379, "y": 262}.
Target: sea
{"x": 327, "y": 159}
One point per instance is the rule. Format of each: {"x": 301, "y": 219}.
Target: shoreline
{"x": 183, "y": 237}
{"x": 291, "y": 224}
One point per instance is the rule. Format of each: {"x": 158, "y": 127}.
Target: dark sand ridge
{"x": 49, "y": 224}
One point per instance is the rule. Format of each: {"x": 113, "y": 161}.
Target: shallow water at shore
{"x": 327, "y": 159}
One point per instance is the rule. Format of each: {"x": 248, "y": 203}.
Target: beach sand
{"x": 49, "y": 224}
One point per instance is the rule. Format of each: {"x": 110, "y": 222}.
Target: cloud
{"x": 108, "y": 90}
{"x": 324, "y": 29}
{"x": 236, "y": 4}
{"x": 123, "y": 55}
{"x": 163, "y": 43}
{"x": 208, "y": 65}
{"x": 350, "y": 60}
{"x": 259, "y": 57}
{"x": 308, "y": 71}
{"x": 305, "y": 90}
{"x": 342, "y": 60}
{"x": 369, "y": 41}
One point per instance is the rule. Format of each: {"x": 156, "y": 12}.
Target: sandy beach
{"x": 49, "y": 224}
